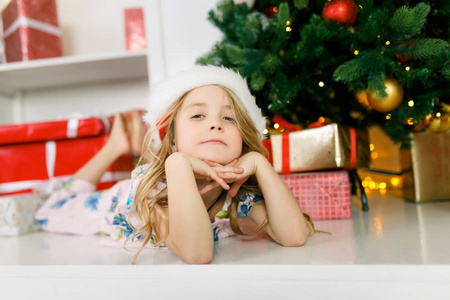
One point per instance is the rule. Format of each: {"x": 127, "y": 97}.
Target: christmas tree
{"x": 357, "y": 63}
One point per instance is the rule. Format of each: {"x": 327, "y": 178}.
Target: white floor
{"x": 395, "y": 250}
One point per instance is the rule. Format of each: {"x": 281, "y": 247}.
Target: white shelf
{"x": 71, "y": 70}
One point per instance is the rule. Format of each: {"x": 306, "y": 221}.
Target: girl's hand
{"x": 247, "y": 163}
{"x": 204, "y": 171}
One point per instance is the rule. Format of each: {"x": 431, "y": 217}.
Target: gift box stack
{"x": 30, "y": 30}
{"x": 314, "y": 163}
{"x": 37, "y": 158}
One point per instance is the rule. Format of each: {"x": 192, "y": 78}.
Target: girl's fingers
{"x": 235, "y": 187}
{"x": 210, "y": 186}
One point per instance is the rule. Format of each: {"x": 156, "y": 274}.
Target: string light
{"x": 321, "y": 83}
{"x": 372, "y": 147}
{"x": 374, "y": 155}
{"x": 438, "y": 115}
{"x": 382, "y": 185}
{"x": 395, "y": 181}
{"x": 388, "y": 116}
{"x": 410, "y": 121}
{"x": 321, "y": 120}
{"x": 387, "y": 43}
{"x": 407, "y": 68}
{"x": 288, "y": 29}
{"x": 276, "y": 125}
{"x": 265, "y": 131}
{"x": 411, "y": 103}
{"x": 288, "y": 23}
{"x": 356, "y": 52}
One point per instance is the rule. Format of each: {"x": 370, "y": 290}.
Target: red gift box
{"x": 135, "y": 29}
{"x": 322, "y": 195}
{"x": 53, "y": 130}
{"x": 46, "y": 159}
{"x": 31, "y": 30}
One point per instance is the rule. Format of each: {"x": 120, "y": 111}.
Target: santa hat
{"x": 164, "y": 94}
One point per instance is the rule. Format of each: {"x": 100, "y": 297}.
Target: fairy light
{"x": 388, "y": 116}
{"x": 372, "y": 147}
{"x": 410, "y": 121}
{"x": 387, "y": 43}
{"x": 321, "y": 83}
{"x": 395, "y": 181}
{"x": 382, "y": 185}
{"x": 407, "y": 69}
{"x": 365, "y": 183}
{"x": 411, "y": 103}
{"x": 356, "y": 52}
{"x": 321, "y": 120}
{"x": 374, "y": 155}
{"x": 288, "y": 23}
{"x": 265, "y": 131}
{"x": 288, "y": 29}
{"x": 276, "y": 125}
{"x": 372, "y": 185}
{"x": 438, "y": 115}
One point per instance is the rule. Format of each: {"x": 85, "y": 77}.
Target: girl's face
{"x": 205, "y": 126}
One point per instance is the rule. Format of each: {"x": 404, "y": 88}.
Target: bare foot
{"x": 135, "y": 130}
{"x": 118, "y": 138}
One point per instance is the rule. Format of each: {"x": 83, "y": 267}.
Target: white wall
{"x": 177, "y": 32}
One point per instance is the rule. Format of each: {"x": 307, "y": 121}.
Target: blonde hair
{"x": 148, "y": 205}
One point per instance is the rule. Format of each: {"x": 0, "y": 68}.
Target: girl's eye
{"x": 198, "y": 116}
{"x": 229, "y": 119}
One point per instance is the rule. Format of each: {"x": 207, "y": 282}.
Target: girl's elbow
{"x": 294, "y": 241}
{"x": 198, "y": 257}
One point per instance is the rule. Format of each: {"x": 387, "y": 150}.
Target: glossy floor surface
{"x": 393, "y": 231}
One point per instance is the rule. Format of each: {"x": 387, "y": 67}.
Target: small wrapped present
{"x": 322, "y": 195}
{"x": 37, "y": 159}
{"x": 426, "y": 167}
{"x": 53, "y": 130}
{"x": 135, "y": 29}
{"x": 17, "y": 213}
{"x": 327, "y": 147}
{"x": 31, "y": 30}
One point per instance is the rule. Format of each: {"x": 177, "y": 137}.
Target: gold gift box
{"x": 426, "y": 167}
{"x": 320, "y": 148}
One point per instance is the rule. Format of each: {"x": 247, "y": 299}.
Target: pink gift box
{"x": 31, "y": 30}
{"x": 135, "y": 29}
{"x": 322, "y": 195}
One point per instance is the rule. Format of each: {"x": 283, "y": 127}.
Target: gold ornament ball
{"x": 440, "y": 123}
{"x": 391, "y": 101}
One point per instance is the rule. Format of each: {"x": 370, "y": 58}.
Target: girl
{"x": 205, "y": 166}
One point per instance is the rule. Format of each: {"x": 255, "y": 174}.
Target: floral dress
{"x": 77, "y": 208}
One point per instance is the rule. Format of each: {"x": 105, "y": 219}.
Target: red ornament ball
{"x": 341, "y": 11}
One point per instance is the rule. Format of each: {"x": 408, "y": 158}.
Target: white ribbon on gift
{"x": 31, "y": 23}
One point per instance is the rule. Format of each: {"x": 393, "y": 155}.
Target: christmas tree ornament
{"x": 250, "y": 3}
{"x": 439, "y": 121}
{"x": 341, "y": 11}
{"x": 391, "y": 101}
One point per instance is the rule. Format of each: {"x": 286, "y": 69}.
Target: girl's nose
{"x": 216, "y": 126}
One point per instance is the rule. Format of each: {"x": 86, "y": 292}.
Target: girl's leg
{"x": 117, "y": 145}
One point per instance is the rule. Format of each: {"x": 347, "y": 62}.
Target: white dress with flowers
{"x": 77, "y": 209}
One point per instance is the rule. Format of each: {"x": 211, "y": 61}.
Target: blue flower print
{"x": 114, "y": 201}
{"x": 246, "y": 203}
{"x": 216, "y": 230}
{"x": 92, "y": 202}
{"x": 42, "y": 223}
{"x": 62, "y": 202}
{"x": 122, "y": 225}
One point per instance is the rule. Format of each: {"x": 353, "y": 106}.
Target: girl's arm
{"x": 287, "y": 225}
{"x": 190, "y": 233}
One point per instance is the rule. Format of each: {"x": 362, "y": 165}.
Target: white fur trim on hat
{"x": 164, "y": 94}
